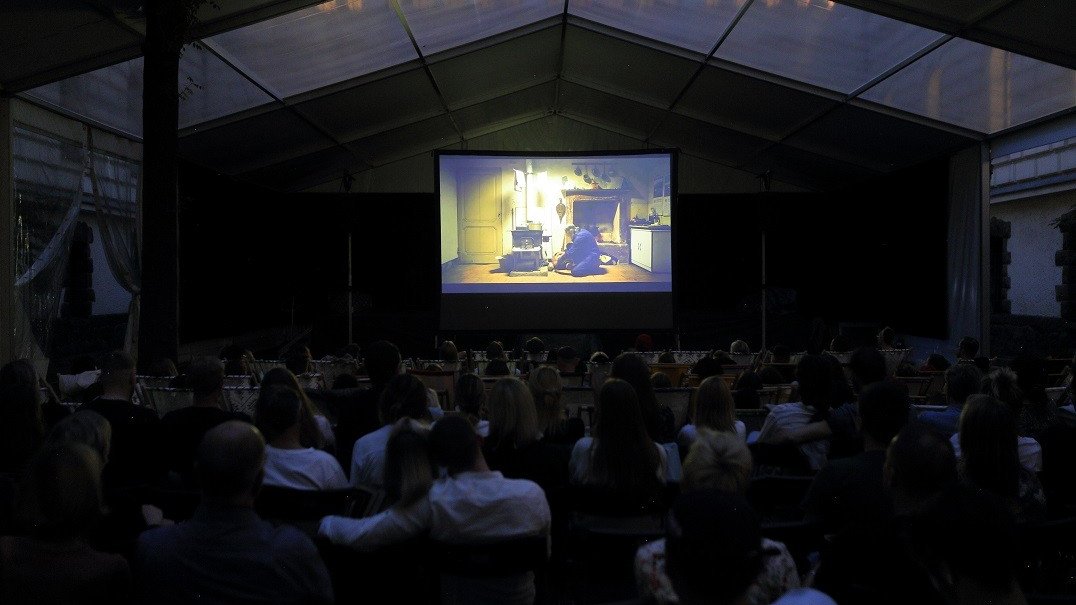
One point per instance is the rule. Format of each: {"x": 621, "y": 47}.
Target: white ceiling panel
{"x": 689, "y": 24}
{"x": 317, "y": 46}
{"x": 439, "y": 26}
{"x": 978, "y": 87}
{"x": 822, "y": 43}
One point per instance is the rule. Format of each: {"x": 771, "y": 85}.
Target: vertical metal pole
{"x": 350, "y": 294}
{"x": 7, "y": 237}
{"x": 984, "y": 255}
{"x": 763, "y": 254}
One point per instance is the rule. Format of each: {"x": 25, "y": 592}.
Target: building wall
{"x": 1033, "y": 245}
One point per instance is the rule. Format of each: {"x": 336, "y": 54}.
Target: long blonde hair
{"x": 546, "y": 389}
{"x": 513, "y": 420}
{"x": 713, "y": 406}
{"x": 409, "y": 469}
{"x": 717, "y": 460}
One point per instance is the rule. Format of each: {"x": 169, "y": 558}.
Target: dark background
{"x": 871, "y": 254}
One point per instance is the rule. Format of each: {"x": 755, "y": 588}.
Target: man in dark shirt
{"x": 226, "y": 553}
{"x": 135, "y": 457}
{"x": 850, "y": 489}
{"x": 184, "y": 428}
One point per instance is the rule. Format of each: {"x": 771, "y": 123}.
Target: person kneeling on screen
{"x": 581, "y": 256}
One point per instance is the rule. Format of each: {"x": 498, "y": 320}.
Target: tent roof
{"x": 815, "y": 92}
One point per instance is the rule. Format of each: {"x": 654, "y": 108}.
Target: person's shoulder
{"x": 155, "y": 542}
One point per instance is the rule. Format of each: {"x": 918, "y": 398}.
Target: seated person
{"x": 287, "y": 463}
{"x": 961, "y": 381}
{"x": 226, "y": 553}
{"x": 403, "y": 397}
{"x": 581, "y": 256}
{"x": 783, "y": 420}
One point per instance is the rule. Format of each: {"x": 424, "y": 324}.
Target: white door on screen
{"x": 479, "y": 194}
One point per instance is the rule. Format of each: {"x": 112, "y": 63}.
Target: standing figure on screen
{"x": 581, "y": 256}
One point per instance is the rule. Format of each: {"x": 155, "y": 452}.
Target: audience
{"x": 660, "y": 380}
{"x": 471, "y": 401}
{"x": 226, "y": 553}
{"x": 409, "y": 470}
{"x": 567, "y": 360}
{"x": 315, "y": 430}
{"x": 182, "y": 430}
{"x": 53, "y": 562}
{"x": 1037, "y": 414}
{"x": 287, "y": 463}
{"x": 449, "y": 356}
{"x": 746, "y": 396}
{"x": 739, "y": 347}
{"x": 553, "y": 421}
{"x": 403, "y": 397}
{"x": 136, "y": 457}
{"x": 967, "y": 350}
{"x": 961, "y": 381}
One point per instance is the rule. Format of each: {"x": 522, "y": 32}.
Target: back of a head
{"x": 968, "y": 348}
{"x": 63, "y": 496}
{"x": 644, "y": 343}
{"x": 660, "y": 380}
{"x": 409, "y": 470}
{"x": 937, "y": 362}
{"x": 1002, "y": 384}
{"x": 781, "y": 354}
{"x": 454, "y": 444}
{"x": 813, "y": 376}
{"x": 988, "y": 445}
{"x": 883, "y": 409}
{"x": 297, "y": 360}
{"x": 205, "y": 376}
{"x": 534, "y": 345}
{"x": 967, "y": 538}
{"x": 624, "y": 456}
{"x": 887, "y": 337}
{"x": 920, "y": 463}
{"x": 718, "y": 459}
{"x": 471, "y": 394}
{"x": 840, "y": 344}
{"x": 118, "y": 367}
{"x": 706, "y": 367}
{"x": 962, "y": 381}
{"x": 567, "y": 355}
{"x": 632, "y": 368}
{"x": 599, "y": 357}
{"x": 277, "y": 411}
{"x": 513, "y": 419}
{"x": 495, "y": 350}
{"x": 230, "y": 460}
{"x": 868, "y": 367}
{"x": 710, "y": 530}
{"x": 404, "y": 397}
{"x": 667, "y": 357}
{"x": 713, "y": 406}
{"x": 448, "y": 353}
{"x": 85, "y": 427}
{"x": 280, "y": 377}
{"x": 382, "y": 361}
{"x": 739, "y": 347}
{"x": 546, "y": 387}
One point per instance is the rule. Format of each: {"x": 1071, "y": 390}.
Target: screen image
{"x": 556, "y": 223}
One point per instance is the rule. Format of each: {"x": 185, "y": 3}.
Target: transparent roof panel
{"x": 978, "y": 87}
{"x": 111, "y": 96}
{"x": 689, "y": 24}
{"x": 317, "y": 46}
{"x": 209, "y": 88}
{"x": 822, "y": 43}
{"x": 439, "y": 26}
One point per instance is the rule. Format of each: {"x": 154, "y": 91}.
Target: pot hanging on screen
{"x": 561, "y": 210}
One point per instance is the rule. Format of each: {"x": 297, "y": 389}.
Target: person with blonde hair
{"x": 720, "y": 461}
{"x": 555, "y": 426}
{"x": 409, "y": 468}
{"x": 515, "y": 445}
{"x": 712, "y": 407}
{"x": 53, "y": 563}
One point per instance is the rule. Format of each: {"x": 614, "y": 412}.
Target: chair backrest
{"x": 675, "y": 371}
{"x": 575, "y": 398}
{"x": 677, "y": 400}
{"x": 917, "y": 385}
{"x": 164, "y": 400}
{"x": 156, "y": 382}
{"x": 241, "y": 399}
{"x": 893, "y": 359}
{"x": 260, "y": 366}
{"x": 443, "y": 383}
{"x": 237, "y": 380}
{"x": 330, "y": 369}
{"x": 745, "y": 359}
